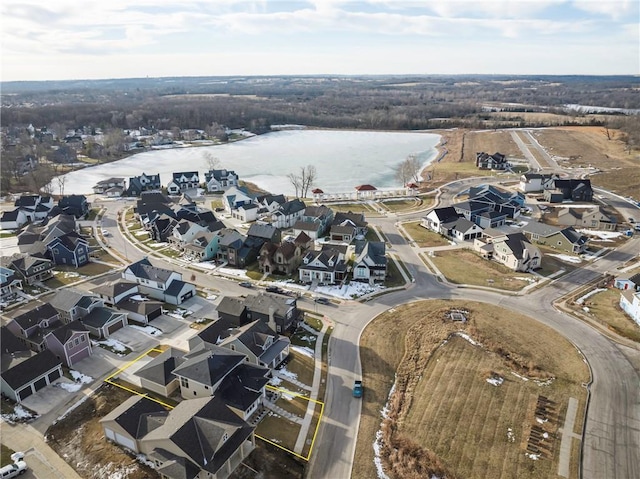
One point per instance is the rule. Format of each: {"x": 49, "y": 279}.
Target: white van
{"x": 13, "y": 470}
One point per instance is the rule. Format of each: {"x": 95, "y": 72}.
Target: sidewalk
{"x": 41, "y": 459}
{"x": 315, "y": 389}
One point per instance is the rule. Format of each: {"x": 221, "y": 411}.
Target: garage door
{"x": 25, "y": 393}
{"x": 53, "y": 375}
{"x": 40, "y": 383}
{"x": 115, "y": 327}
{"x": 154, "y": 314}
{"x": 186, "y": 296}
{"x": 120, "y": 439}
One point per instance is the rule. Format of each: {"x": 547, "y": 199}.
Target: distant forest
{"x": 256, "y": 103}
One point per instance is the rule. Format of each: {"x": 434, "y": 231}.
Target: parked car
{"x": 13, "y": 470}
{"x": 322, "y": 301}
{"x": 357, "y": 389}
{"x": 273, "y": 289}
{"x": 246, "y": 284}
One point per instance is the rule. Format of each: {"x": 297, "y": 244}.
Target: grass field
{"x": 605, "y": 308}
{"x": 443, "y": 417}
{"x": 456, "y": 265}
{"x": 584, "y": 146}
{"x": 422, "y": 236}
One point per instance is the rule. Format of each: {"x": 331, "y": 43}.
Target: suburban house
{"x": 488, "y": 198}
{"x": 198, "y": 438}
{"x": 10, "y": 284}
{"x": 279, "y": 312}
{"x": 203, "y": 247}
{"x": 347, "y": 226}
{"x": 21, "y": 380}
{"x": 220, "y": 180}
{"x": 574, "y": 189}
{"x": 75, "y": 205}
{"x": 565, "y": 239}
{"x": 31, "y": 268}
{"x": 327, "y": 266}
{"x": 232, "y": 249}
{"x": 439, "y": 216}
{"x": 596, "y": 218}
{"x": 28, "y": 208}
{"x": 103, "y": 321}
{"x": 513, "y": 250}
{"x": 69, "y": 249}
{"x": 492, "y": 219}
{"x": 235, "y": 197}
{"x": 14, "y": 219}
{"x": 263, "y": 233}
{"x": 157, "y": 375}
{"x": 182, "y": 181}
{"x": 461, "y": 229}
{"x": 110, "y": 187}
{"x": 283, "y": 258}
{"x": 70, "y": 343}
{"x": 288, "y": 213}
{"x": 125, "y": 297}
{"x": 270, "y": 203}
{"x": 370, "y": 263}
{"x": 256, "y": 340}
{"x": 72, "y": 304}
{"x": 630, "y": 304}
{"x": 315, "y": 221}
{"x": 184, "y": 232}
{"x": 159, "y": 283}
{"x": 497, "y": 161}
{"x": 32, "y": 326}
{"x": 144, "y": 182}
{"x": 628, "y": 281}
{"x": 534, "y": 182}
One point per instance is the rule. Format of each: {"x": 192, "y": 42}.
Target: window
{"x": 184, "y": 382}
{"x": 82, "y": 339}
{"x": 76, "y": 341}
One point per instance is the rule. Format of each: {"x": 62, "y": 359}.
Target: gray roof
{"x": 144, "y": 269}
{"x": 264, "y": 231}
{"x": 540, "y": 229}
{"x": 115, "y": 288}
{"x": 30, "y": 369}
{"x": 208, "y": 367}
{"x": 231, "y": 306}
{"x": 64, "y": 333}
{"x": 66, "y": 298}
{"x": 99, "y": 317}
{"x": 176, "y": 287}
{"x": 263, "y": 303}
{"x": 35, "y": 315}
{"x": 160, "y": 369}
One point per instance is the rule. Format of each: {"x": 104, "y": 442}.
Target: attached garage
{"x": 186, "y": 296}
{"x": 53, "y": 375}
{"x": 114, "y": 327}
{"x": 25, "y": 393}
{"x": 120, "y": 439}
{"x": 40, "y": 383}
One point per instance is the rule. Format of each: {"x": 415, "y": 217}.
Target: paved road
{"x": 612, "y": 432}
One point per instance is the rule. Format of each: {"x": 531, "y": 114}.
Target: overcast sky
{"x": 76, "y": 39}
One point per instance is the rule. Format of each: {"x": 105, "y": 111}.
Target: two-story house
{"x": 220, "y": 180}
{"x": 159, "y": 283}
{"x": 288, "y": 214}
{"x": 327, "y": 266}
{"x": 144, "y": 182}
{"x": 370, "y": 263}
{"x": 182, "y": 181}
{"x": 32, "y": 326}
{"x": 31, "y": 268}
{"x": 70, "y": 343}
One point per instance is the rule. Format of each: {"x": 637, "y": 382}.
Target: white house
{"x": 630, "y": 303}
{"x": 220, "y": 180}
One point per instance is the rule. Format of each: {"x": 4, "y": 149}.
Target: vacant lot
{"x": 462, "y": 266}
{"x": 605, "y": 308}
{"x": 422, "y": 236}
{"x": 589, "y": 146}
{"x": 443, "y": 417}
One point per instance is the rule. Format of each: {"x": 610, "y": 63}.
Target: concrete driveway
{"x": 51, "y": 397}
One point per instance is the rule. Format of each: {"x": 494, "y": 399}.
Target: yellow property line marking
{"x": 285, "y": 391}
{"x": 315, "y": 432}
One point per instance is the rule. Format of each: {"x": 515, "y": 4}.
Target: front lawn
{"x": 422, "y": 236}
{"x": 467, "y": 267}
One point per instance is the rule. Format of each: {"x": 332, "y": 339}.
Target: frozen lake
{"x": 343, "y": 160}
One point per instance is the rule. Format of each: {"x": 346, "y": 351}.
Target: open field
{"x": 456, "y": 265}
{"x": 443, "y": 417}
{"x": 589, "y": 146}
{"x": 414, "y": 204}
{"x": 422, "y": 236}
{"x": 604, "y": 307}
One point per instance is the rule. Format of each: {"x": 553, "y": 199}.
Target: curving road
{"x": 612, "y": 431}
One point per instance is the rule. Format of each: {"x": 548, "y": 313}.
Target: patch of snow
{"x": 546, "y": 382}
{"x": 377, "y": 444}
{"x": 582, "y": 298}
{"x": 545, "y": 435}
{"x": 156, "y": 245}
{"x": 238, "y": 273}
{"x": 566, "y": 258}
{"x": 137, "y": 297}
{"x": 467, "y": 338}
{"x": 510, "y": 435}
{"x": 284, "y": 372}
{"x": 113, "y": 344}
{"x": 275, "y": 381}
{"x": 605, "y": 235}
{"x": 519, "y": 376}
{"x": 305, "y": 351}
{"x": 212, "y": 297}
{"x": 140, "y": 233}
{"x": 79, "y": 377}
{"x": 534, "y": 457}
{"x": 525, "y": 278}
{"x": 354, "y": 289}
{"x": 205, "y": 265}
{"x": 540, "y": 420}
{"x": 150, "y": 330}
{"x": 69, "y": 387}
{"x": 141, "y": 458}
{"x": 495, "y": 381}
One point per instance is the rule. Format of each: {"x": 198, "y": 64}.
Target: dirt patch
{"x": 400, "y": 346}
{"x": 80, "y": 441}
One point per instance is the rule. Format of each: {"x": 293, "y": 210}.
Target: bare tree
{"x": 309, "y": 175}
{"x": 303, "y": 181}
{"x": 409, "y": 170}
{"x": 211, "y": 161}
{"x": 296, "y": 181}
